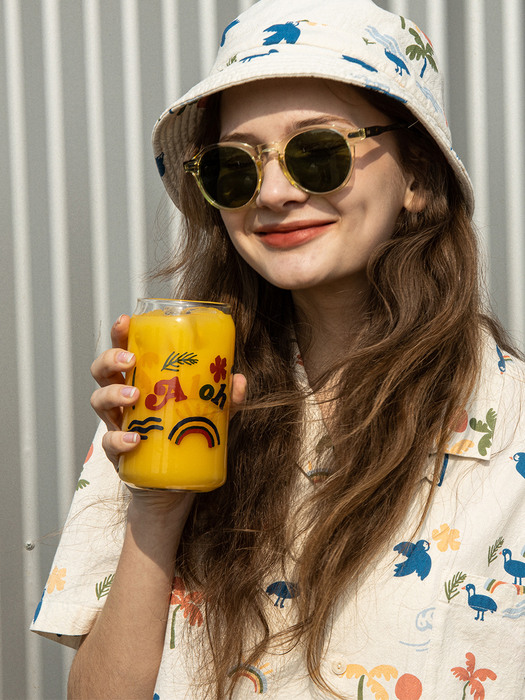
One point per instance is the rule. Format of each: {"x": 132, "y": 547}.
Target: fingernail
{"x": 128, "y": 391}
{"x": 119, "y": 319}
{"x": 125, "y": 357}
{"x": 131, "y": 437}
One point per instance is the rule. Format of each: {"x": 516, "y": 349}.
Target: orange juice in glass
{"x": 184, "y": 355}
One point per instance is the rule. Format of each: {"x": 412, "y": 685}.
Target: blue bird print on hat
{"x": 288, "y": 32}
{"x": 227, "y": 29}
{"x": 392, "y": 50}
{"x": 417, "y": 559}
{"x": 360, "y": 63}
{"x": 480, "y": 603}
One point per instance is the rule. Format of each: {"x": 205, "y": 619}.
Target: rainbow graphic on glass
{"x": 184, "y": 352}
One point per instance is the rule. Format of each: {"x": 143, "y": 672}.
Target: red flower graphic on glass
{"x": 188, "y": 602}
{"x": 218, "y": 368}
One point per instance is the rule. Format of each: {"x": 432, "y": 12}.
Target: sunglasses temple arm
{"x": 376, "y": 130}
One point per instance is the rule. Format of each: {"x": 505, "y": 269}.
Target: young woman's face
{"x": 297, "y": 240}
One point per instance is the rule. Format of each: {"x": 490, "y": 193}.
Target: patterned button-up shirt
{"x": 442, "y": 615}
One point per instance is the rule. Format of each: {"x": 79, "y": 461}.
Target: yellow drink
{"x": 184, "y": 354}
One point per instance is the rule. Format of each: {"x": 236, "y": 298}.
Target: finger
{"x": 108, "y": 367}
{"x": 238, "y": 392}
{"x": 117, "y": 443}
{"x": 109, "y": 401}
{"x": 119, "y": 332}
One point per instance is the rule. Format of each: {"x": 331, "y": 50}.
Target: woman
{"x": 375, "y": 467}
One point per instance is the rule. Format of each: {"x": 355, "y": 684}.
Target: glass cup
{"x": 184, "y": 355}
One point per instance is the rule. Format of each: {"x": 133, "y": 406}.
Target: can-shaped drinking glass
{"x": 184, "y": 355}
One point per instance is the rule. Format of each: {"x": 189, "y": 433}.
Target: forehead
{"x": 278, "y": 102}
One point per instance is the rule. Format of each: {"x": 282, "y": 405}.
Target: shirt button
{"x": 338, "y": 667}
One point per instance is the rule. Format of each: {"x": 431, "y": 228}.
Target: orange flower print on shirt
{"x": 188, "y": 602}
{"x": 446, "y": 537}
{"x": 56, "y": 580}
{"x": 474, "y": 679}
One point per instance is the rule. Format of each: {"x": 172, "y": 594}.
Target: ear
{"x": 415, "y": 196}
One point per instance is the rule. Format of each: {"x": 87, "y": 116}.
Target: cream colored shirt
{"x": 441, "y": 617}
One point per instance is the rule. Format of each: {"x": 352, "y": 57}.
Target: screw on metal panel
{"x": 29, "y": 546}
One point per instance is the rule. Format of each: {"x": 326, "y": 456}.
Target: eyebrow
{"x": 247, "y": 137}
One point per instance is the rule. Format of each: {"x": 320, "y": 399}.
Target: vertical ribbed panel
{"x": 437, "y": 29}
{"x": 514, "y": 155}
{"x": 81, "y": 84}
{"x": 208, "y": 34}
{"x": 60, "y": 308}
{"x": 133, "y": 129}
{"x": 24, "y": 341}
{"x": 477, "y": 114}
{"x": 96, "y": 162}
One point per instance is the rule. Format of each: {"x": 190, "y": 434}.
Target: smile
{"x": 291, "y": 235}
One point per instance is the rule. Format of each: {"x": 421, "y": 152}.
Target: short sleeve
{"x": 87, "y": 554}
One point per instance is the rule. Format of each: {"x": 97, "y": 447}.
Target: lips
{"x": 291, "y": 234}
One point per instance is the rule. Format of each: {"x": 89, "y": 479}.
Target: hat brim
{"x": 177, "y": 126}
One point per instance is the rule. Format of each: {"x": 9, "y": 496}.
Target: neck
{"x": 326, "y": 323}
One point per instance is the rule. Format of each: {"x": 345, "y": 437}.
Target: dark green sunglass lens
{"x": 229, "y": 176}
{"x": 318, "y": 160}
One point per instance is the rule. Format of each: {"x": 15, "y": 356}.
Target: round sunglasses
{"x": 316, "y": 159}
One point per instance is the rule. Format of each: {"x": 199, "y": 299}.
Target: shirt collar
{"x": 473, "y": 434}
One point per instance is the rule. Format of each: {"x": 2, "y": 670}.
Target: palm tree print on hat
{"x": 473, "y": 678}
{"x": 420, "y": 51}
{"x": 188, "y": 602}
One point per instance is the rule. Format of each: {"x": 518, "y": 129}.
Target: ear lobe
{"x": 415, "y": 197}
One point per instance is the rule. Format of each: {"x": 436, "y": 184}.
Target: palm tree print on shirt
{"x": 378, "y": 690}
{"x": 188, "y": 602}
{"x": 473, "y": 678}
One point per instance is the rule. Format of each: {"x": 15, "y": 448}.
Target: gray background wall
{"x": 83, "y": 216}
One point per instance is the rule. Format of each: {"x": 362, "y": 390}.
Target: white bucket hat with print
{"x": 353, "y": 41}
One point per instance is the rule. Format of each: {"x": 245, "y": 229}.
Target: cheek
{"x": 234, "y": 223}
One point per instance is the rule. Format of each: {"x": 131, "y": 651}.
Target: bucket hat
{"x": 352, "y": 41}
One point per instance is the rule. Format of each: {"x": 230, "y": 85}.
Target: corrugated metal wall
{"x": 83, "y": 215}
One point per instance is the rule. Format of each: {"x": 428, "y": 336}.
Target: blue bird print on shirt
{"x": 284, "y": 590}
{"x": 514, "y": 567}
{"x": 417, "y": 559}
{"x": 501, "y": 362}
{"x": 480, "y": 603}
{"x": 519, "y": 458}
{"x": 39, "y": 606}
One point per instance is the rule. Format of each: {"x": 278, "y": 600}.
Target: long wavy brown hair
{"x": 410, "y": 368}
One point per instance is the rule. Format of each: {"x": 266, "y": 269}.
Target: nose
{"x": 276, "y": 191}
